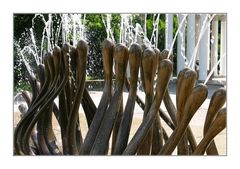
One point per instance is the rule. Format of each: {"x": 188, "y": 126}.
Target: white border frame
{"x": 8, "y": 8}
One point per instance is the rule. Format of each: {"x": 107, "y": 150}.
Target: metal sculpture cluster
{"x": 63, "y": 75}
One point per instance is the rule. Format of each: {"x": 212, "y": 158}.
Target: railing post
{"x": 214, "y": 44}
{"x": 204, "y": 50}
{"x": 190, "y": 35}
{"x": 223, "y": 45}
{"x": 169, "y": 31}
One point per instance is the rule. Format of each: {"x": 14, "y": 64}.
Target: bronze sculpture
{"x": 63, "y": 75}
{"x": 135, "y": 54}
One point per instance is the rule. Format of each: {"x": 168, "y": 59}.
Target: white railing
{"x": 210, "y": 31}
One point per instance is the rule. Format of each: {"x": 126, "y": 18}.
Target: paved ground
{"x": 196, "y": 123}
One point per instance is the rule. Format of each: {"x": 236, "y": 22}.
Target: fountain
{"x": 61, "y": 74}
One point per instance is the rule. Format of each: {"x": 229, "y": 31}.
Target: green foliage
{"x": 161, "y": 32}
{"x": 138, "y": 19}
{"x": 23, "y": 86}
{"x": 115, "y": 24}
{"x": 21, "y": 23}
{"x": 94, "y": 21}
{"x": 161, "y": 29}
{"x": 95, "y": 31}
{"x": 96, "y": 34}
{"x": 149, "y": 25}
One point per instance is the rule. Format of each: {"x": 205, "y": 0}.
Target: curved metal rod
{"x": 107, "y": 52}
{"x": 82, "y": 50}
{"x": 88, "y": 106}
{"x": 66, "y": 95}
{"x": 135, "y": 54}
{"x": 141, "y": 104}
{"x": 32, "y": 123}
{"x": 217, "y": 101}
{"x": 147, "y": 75}
{"x": 157, "y": 136}
{"x": 193, "y": 102}
{"x": 172, "y": 110}
{"x": 216, "y": 127}
{"x": 100, "y": 145}
{"x": 117, "y": 125}
{"x": 21, "y": 128}
{"x": 44, "y": 126}
{"x": 43, "y": 147}
{"x": 164, "y": 73}
{"x": 23, "y": 110}
{"x": 186, "y": 81}
{"x": 25, "y": 120}
{"x": 44, "y": 123}
{"x": 53, "y": 92}
{"x": 23, "y": 123}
